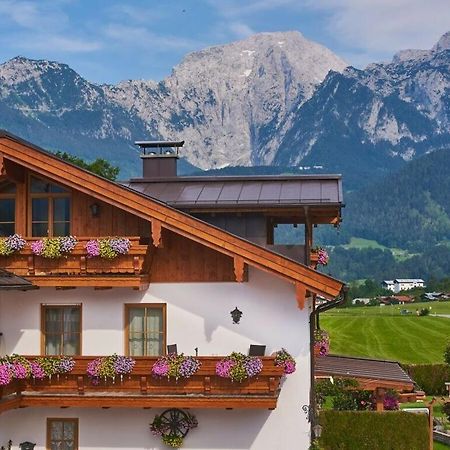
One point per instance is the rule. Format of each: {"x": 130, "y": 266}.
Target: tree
{"x": 99, "y": 166}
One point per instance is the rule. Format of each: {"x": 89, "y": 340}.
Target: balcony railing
{"x": 76, "y": 268}
{"x": 141, "y": 390}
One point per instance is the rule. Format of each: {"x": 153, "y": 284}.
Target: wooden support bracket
{"x": 239, "y": 267}
{"x": 300, "y": 294}
{"x": 80, "y": 384}
{"x": 272, "y": 385}
{"x": 143, "y": 382}
{"x": 83, "y": 265}
{"x": 207, "y": 384}
{"x": 30, "y": 262}
{"x": 156, "y": 232}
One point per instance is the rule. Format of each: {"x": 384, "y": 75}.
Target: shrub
{"x": 391, "y": 430}
{"x": 430, "y": 377}
{"x": 424, "y": 312}
{"x": 446, "y": 409}
{"x": 447, "y": 354}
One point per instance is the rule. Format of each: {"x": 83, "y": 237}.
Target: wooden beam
{"x": 300, "y": 294}
{"x": 156, "y": 232}
{"x": 14, "y": 171}
{"x": 239, "y": 267}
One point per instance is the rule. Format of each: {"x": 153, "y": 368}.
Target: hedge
{"x": 430, "y": 377}
{"x": 389, "y": 430}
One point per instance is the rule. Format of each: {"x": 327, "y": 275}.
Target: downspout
{"x": 313, "y": 322}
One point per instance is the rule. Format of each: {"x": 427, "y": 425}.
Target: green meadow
{"x": 382, "y": 332}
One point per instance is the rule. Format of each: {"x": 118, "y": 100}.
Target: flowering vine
{"x": 239, "y": 367}
{"x": 321, "y": 343}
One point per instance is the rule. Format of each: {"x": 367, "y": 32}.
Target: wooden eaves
{"x": 162, "y": 216}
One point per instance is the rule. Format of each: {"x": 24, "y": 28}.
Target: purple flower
{"x": 15, "y": 242}
{"x": 289, "y": 367}
{"x": 66, "y": 364}
{"x": 253, "y": 366}
{"x": 160, "y": 368}
{"x": 37, "y": 371}
{"x": 224, "y": 367}
{"x": 92, "y": 248}
{"x": 93, "y": 367}
{"x": 67, "y": 244}
{"x": 189, "y": 366}
{"x": 121, "y": 246}
{"x": 124, "y": 365}
{"x": 19, "y": 371}
{"x": 5, "y": 374}
{"x": 37, "y": 247}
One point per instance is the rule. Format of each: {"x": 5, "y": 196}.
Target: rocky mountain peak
{"x": 443, "y": 43}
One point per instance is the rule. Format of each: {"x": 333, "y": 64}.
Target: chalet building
{"x": 403, "y": 284}
{"x": 203, "y": 275}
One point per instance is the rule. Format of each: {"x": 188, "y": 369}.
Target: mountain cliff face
{"x": 223, "y": 101}
{"x": 274, "y": 98}
{"x": 372, "y": 121}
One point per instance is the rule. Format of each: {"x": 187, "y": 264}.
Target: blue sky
{"x": 107, "y": 41}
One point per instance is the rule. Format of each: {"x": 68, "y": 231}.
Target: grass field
{"x": 381, "y": 332}
{"x": 361, "y": 243}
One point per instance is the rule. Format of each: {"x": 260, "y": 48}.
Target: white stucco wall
{"x": 198, "y": 315}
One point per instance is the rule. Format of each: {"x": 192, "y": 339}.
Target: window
{"x": 61, "y": 329}
{"x": 7, "y": 209}
{"x": 62, "y": 434}
{"x": 50, "y": 208}
{"x": 145, "y": 329}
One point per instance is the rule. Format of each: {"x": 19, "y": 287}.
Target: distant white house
{"x": 361, "y": 300}
{"x": 403, "y": 284}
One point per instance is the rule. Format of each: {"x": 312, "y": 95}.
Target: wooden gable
{"x": 19, "y": 156}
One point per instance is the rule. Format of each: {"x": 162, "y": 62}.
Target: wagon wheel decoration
{"x": 172, "y": 426}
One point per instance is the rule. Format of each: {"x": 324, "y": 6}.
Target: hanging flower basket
{"x": 175, "y": 366}
{"x": 239, "y": 367}
{"x": 172, "y": 426}
{"x": 321, "y": 343}
{"x": 322, "y": 255}
{"x": 11, "y": 244}
{"x": 285, "y": 360}
{"x": 109, "y": 367}
{"x": 16, "y": 367}
{"x": 108, "y": 248}
{"x": 55, "y": 247}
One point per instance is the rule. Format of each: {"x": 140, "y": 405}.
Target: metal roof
{"x": 361, "y": 368}
{"x": 242, "y": 191}
{"x": 9, "y": 281}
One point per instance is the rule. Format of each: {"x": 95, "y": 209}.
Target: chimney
{"x": 159, "y": 158}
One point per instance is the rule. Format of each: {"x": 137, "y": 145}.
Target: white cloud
{"x": 240, "y": 30}
{"x": 386, "y": 25}
{"x": 239, "y": 8}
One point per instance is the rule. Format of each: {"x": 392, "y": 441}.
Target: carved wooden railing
{"x": 140, "y": 389}
{"x": 25, "y": 263}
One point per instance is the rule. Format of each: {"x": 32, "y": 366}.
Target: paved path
{"x": 447, "y": 316}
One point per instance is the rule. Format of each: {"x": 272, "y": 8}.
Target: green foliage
{"x": 353, "y": 400}
{"x": 99, "y": 166}
{"x": 369, "y": 289}
{"x": 430, "y": 378}
{"x": 446, "y": 410}
{"x": 393, "y": 430}
{"x": 424, "y": 312}
{"x": 326, "y": 388}
{"x": 447, "y": 354}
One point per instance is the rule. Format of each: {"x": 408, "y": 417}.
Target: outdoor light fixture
{"x": 236, "y": 315}
{"x": 95, "y": 209}
{"x": 317, "y": 429}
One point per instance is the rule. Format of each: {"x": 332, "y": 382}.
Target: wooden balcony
{"x": 141, "y": 390}
{"x": 78, "y": 270}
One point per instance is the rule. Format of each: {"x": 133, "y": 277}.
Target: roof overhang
{"x": 12, "y": 282}
{"x": 163, "y": 216}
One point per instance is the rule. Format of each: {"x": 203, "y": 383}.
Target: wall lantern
{"x": 236, "y": 315}
{"x": 317, "y": 430}
{"x": 27, "y": 446}
{"x": 95, "y": 209}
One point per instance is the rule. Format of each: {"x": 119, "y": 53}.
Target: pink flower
{"x": 160, "y": 368}
{"x": 37, "y": 247}
{"x": 5, "y": 374}
{"x": 37, "y": 371}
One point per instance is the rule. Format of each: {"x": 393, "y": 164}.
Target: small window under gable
{"x": 50, "y": 208}
{"x": 7, "y": 208}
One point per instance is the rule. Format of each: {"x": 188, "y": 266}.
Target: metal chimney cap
{"x": 159, "y": 144}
